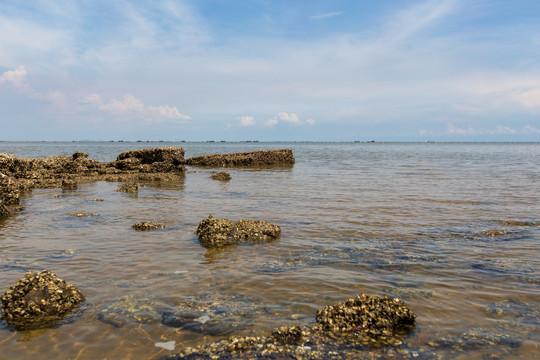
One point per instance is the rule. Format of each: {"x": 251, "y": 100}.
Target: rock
{"x": 128, "y": 188}
{"x": 372, "y": 316}
{"x": 39, "y": 300}
{"x": 146, "y": 226}
{"x": 166, "y": 159}
{"x": 9, "y": 191}
{"x": 131, "y": 309}
{"x": 253, "y": 158}
{"x": 214, "y": 232}
{"x": 79, "y": 155}
{"x": 341, "y": 330}
{"x": 69, "y": 184}
{"x": 4, "y": 211}
{"x": 222, "y": 176}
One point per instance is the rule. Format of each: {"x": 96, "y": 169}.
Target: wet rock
{"x": 131, "y": 309}
{"x": 214, "y": 232}
{"x": 386, "y": 321}
{"x": 494, "y": 232}
{"x": 166, "y": 159}
{"x": 9, "y": 191}
{"x": 4, "y": 211}
{"x": 128, "y": 188}
{"x": 253, "y": 158}
{"x": 79, "y": 155}
{"x": 69, "y": 184}
{"x": 367, "y": 315}
{"x": 39, "y": 300}
{"x": 222, "y": 176}
{"x": 146, "y": 226}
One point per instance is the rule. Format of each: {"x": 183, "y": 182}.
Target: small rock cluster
{"x": 221, "y": 176}
{"x": 339, "y": 332}
{"x": 39, "y": 300}
{"x": 128, "y": 188}
{"x": 214, "y": 232}
{"x": 147, "y": 226}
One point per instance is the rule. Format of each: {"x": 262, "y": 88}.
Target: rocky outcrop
{"x": 283, "y": 157}
{"x": 340, "y": 330}
{"x": 128, "y": 188}
{"x": 166, "y": 159}
{"x": 221, "y": 176}
{"x": 214, "y": 232}
{"x": 147, "y": 226}
{"x": 39, "y": 300}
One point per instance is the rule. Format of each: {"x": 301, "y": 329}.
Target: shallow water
{"x": 384, "y": 218}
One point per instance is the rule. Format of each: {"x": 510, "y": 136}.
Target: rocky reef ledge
{"x": 341, "y": 331}
{"x": 215, "y": 233}
{"x": 281, "y": 157}
{"x": 39, "y": 300}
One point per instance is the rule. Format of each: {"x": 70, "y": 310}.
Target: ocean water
{"x": 452, "y": 229}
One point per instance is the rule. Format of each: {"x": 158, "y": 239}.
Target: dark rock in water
{"x": 4, "y": 211}
{"x": 131, "y": 309}
{"x": 9, "y": 191}
{"x": 128, "y": 188}
{"x": 146, "y": 226}
{"x": 79, "y": 155}
{"x": 253, "y": 158}
{"x": 69, "y": 184}
{"x": 369, "y": 315}
{"x": 39, "y": 300}
{"x": 166, "y": 159}
{"x": 222, "y": 176}
{"x": 363, "y": 322}
{"x": 214, "y": 232}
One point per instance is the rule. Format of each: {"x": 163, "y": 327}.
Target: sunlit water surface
{"x": 399, "y": 219}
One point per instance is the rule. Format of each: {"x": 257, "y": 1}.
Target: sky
{"x": 270, "y": 70}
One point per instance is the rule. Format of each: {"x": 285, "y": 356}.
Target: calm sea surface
{"x": 405, "y": 219}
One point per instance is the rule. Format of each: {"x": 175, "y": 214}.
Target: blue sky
{"x": 340, "y": 70}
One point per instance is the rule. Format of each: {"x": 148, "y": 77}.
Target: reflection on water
{"x": 453, "y": 229}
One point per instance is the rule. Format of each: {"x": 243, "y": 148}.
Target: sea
{"x": 452, "y": 229}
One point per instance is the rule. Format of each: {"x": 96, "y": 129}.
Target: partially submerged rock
{"x": 214, "y": 232}
{"x": 253, "y": 158}
{"x": 166, "y": 159}
{"x": 128, "y": 188}
{"x": 69, "y": 184}
{"x": 39, "y": 300}
{"x": 367, "y": 315}
{"x": 146, "y": 226}
{"x": 4, "y": 211}
{"x": 341, "y": 331}
{"x": 221, "y": 176}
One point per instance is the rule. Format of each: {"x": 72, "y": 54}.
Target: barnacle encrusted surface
{"x": 214, "y": 232}
{"x": 283, "y": 157}
{"x": 221, "y": 176}
{"x": 146, "y": 226}
{"x": 39, "y": 300}
{"x": 342, "y": 331}
{"x": 370, "y": 315}
{"x": 128, "y": 188}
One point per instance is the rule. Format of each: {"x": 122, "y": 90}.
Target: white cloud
{"x": 132, "y": 106}
{"x": 503, "y": 130}
{"x": 271, "y": 122}
{"x": 246, "y": 120}
{"x": 290, "y": 118}
{"x": 452, "y": 129}
{"x": 17, "y": 78}
{"x": 528, "y": 129}
{"x": 326, "y": 15}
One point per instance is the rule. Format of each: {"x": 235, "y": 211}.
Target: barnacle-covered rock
{"x": 131, "y": 309}
{"x": 39, "y": 300}
{"x": 9, "y": 191}
{"x": 128, "y": 188}
{"x": 214, "y": 232}
{"x": 367, "y": 315}
{"x": 166, "y": 159}
{"x": 69, "y": 184}
{"x": 221, "y": 176}
{"x": 252, "y": 158}
{"x": 4, "y": 211}
{"x": 146, "y": 226}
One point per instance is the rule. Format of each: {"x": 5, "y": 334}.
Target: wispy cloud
{"x": 246, "y": 121}
{"x": 290, "y": 118}
{"x": 130, "y": 106}
{"x": 326, "y": 15}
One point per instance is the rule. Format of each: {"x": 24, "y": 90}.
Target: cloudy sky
{"x": 396, "y": 70}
